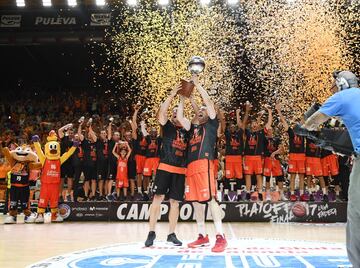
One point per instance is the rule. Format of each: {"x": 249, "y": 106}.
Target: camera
{"x": 330, "y": 137}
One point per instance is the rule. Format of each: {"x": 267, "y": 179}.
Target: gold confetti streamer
{"x": 273, "y": 51}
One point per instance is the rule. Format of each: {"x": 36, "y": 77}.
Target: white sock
{"x": 238, "y": 192}
{"x": 292, "y": 192}
{"x": 218, "y": 227}
{"x": 139, "y": 190}
{"x": 226, "y": 191}
{"x": 324, "y": 190}
{"x": 337, "y": 193}
{"x": 201, "y": 228}
{"x": 301, "y": 191}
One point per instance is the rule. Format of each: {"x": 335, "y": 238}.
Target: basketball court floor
{"x": 120, "y": 244}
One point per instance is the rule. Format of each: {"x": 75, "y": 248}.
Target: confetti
{"x": 265, "y": 51}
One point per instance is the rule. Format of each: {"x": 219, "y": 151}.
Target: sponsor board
{"x": 239, "y": 253}
{"x": 54, "y": 21}
{"x": 10, "y": 21}
{"x": 241, "y": 211}
{"x": 279, "y": 212}
{"x": 245, "y": 211}
{"x": 100, "y": 19}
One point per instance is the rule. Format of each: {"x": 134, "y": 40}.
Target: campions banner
{"x": 231, "y": 212}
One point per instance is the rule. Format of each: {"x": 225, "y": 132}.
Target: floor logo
{"x": 244, "y": 253}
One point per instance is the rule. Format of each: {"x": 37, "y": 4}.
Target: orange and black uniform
{"x": 89, "y": 149}
{"x": 254, "y": 152}
{"x": 330, "y": 164}
{"x": 216, "y": 160}
{"x": 200, "y": 181}
{"x": 140, "y": 152}
{"x": 77, "y": 161}
{"x": 152, "y": 155}
{"x": 296, "y": 153}
{"x": 313, "y": 160}
{"x": 131, "y": 161}
{"x": 233, "y": 154}
{"x": 19, "y": 191}
{"x": 170, "y": 175}
{"x": 67, "y": 168}
{"x": 272, "y": 167}
{"x": 122, "y": 180}
{"x": 102, "y": 157}
{"x": 112, "y": 161}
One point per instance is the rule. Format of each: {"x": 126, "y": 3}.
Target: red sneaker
{"x": 304, "y": 198}
{"x": 220, "y": 244}
{"x": 293, "y": 198}
{"x": 200, "y": 242}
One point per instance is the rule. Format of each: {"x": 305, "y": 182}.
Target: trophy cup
{"x": 196, "y": 65}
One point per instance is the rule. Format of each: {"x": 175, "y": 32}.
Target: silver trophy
{"x": 196, "y": 65}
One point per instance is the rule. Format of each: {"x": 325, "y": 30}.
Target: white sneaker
{"x": 57, "y": 219}
{"x": 39, "y": 218}
{"x": 283, "y": 197}
{"x": 10, "y": 220}
{"x": 30, "y": 219}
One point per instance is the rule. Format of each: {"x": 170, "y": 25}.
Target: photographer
{"x": 345, "y": 104}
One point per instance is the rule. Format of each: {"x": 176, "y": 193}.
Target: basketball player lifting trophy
{"x": 196, "y": 65}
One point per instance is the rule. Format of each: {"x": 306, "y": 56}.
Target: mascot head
{"x": 52, "y": 147}
{"x": 24, "y": 153}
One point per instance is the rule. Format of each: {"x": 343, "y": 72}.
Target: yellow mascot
{"x": 51, "y": 161}
{"x": 22, "y": 160}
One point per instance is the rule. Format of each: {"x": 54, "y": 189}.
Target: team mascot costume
{"x": 50, "y": 175}
{"x": 22, "y": 160}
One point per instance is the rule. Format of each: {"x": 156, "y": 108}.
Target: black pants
{"x": 343, "y": 179}
{"x": 19, "y": 195}
{"x": 78, "y": 169}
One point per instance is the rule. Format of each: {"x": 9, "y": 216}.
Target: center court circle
{"x": 240, "y": 253}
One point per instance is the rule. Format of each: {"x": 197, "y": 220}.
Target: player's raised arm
{"x": 62, "y": 129}
{"x": 245, "y": 121}
{"x": 205, "y": 97}
{"x": 270, "y": 117}
{"x": 180, "y": 115}
{"x": 134, "y": 121}
{"x": 282, "y": 118}
{"x": 164, "y": 107}
{"x": 195, "y": 107}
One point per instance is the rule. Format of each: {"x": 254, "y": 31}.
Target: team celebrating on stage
{"x": 193, "y": 159}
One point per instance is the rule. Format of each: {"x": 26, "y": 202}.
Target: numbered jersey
{"x": 51, "y": 171}
{"x": 19, "y": 174}
{"x": 234, "y": 142}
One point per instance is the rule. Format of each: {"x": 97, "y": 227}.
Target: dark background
{"x": 66, "y": 62}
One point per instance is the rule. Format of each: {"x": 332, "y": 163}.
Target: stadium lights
{"x": 72, "y": 3}
{"x": 132, "y": 2}
{"x": 232, "y": 2}
{"x": 100, "y": 2}
{"x": 204, "y": 2}
{"x": 163, "y": 2}
{"x": 46, "y": 3}
{"x": 20, "y": 3}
